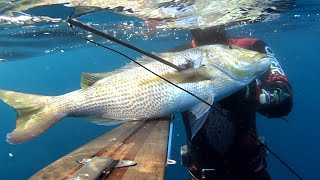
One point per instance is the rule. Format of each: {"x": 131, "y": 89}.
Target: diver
{"x": 226, "y": 146}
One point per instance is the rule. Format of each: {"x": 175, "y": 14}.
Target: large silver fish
{"x": 212, "y": 73}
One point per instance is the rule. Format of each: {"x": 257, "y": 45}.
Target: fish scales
{"x": 122, "y": 95}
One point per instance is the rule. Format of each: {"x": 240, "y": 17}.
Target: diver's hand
{"x": 274, "y": 97}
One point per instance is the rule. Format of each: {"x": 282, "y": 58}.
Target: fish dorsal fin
{"x": 87, "y": 79}
{"x": 200, "y": 114}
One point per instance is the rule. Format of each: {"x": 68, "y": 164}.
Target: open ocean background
{"x": 50, "y": 64}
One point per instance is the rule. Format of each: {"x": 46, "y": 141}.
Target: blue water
{"x": 294, "y": 38}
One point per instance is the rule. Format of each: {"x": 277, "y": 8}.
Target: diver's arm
{"x": 273, "y": 91}
{"x": 274, "y": 97}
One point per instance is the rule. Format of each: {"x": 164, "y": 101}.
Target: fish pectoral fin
{"x": 189, "y": 75}
{"x": 88, "y": 79}
{"x": 200, "y": 114}
{"x": 199, "y": 110}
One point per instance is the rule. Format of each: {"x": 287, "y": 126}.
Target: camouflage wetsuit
{"x": 225, "y": 143}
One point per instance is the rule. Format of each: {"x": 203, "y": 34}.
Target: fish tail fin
{"x": 35, "y": 115}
